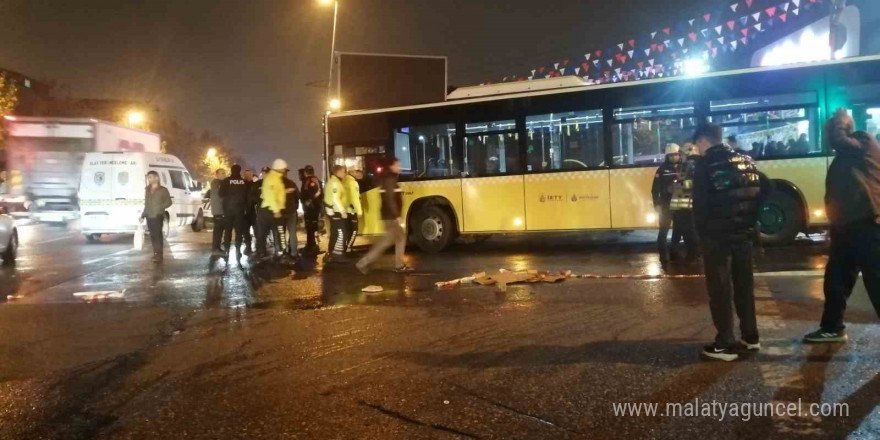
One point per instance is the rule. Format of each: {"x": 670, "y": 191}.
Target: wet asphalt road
{"x": 202, "y": 349}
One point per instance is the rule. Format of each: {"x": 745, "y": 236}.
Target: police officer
{"x": 661, "y": 192}
{"x": 352, "y": 205}
{"x": 727, "y": 193}
{"x": 234, "y": 192}
{"x": 291, "y": 216}
{"x": 270, "y": 215}
{"x": 312, "y": 199}
{"x": 250, "y": 214}
{"x": 335, "y": 207}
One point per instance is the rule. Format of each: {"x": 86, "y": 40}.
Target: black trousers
{"x": 683, "y": 221}
{"x": 665, "y": 222}
{"x": 729, "y": 279}
{"x": 311, "y": 217}
{"x": 268, "y": 224}
{"x": 338, "y": 226}
{"x": 234, "y": 223}
{"x": 250, "y": 221}
{"x": 219, "y": 231}
{"x": 854, "y": 249}
{"x": 351, "y": 231}
{"x": 154, "y": 225}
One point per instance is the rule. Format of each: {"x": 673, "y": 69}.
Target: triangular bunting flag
{"x": 680, "y": 42}
{"x": 598, "y": 53}
{"x": 756, "y": 16}
{"x": 630, "y": 53}
{"x": 771, "y": 11}
{"x": 647, "y": 52}
{"x": 705, "y": 33}
{"x": 565, "y": 62}
{"x": 691, "y": 21}
{"x": 733, "y": 44}
{"x": 693, "y": 36}
{"x": 721, "y": 40}
{"x": 783, "y": 17}
{"x": 744, "y": 20}
{"x": 632, "y": 43}
{"x": 745, "y": 40}
{"x": 709, "y": 44}
{"x": 797, "y": 3}
{"x": 758, "y": 27}
{"x": 577, "y": 70}
{"x": 795, "y": 11}
{"x": 620, "y": 46}
{"x": 684, "y": 50}
{"x": 667, "y": 30}
{"x": 640, "y": 64}
{"x": 617, "y": 70}
{"x": 667, "y": 43}
{"x": 610, "y": 62}
{"x": 707, "y": 17}
{"x": 749, "y": 3}
{"x": 596, "y": 63}
{"x": 745, "y": 31}
{"x": 734, "y": 6}
{"x": 651, "y": 62}
{"x": 731, "y": 24}
{"x": 718, "y": 29}
{"x": 584, "y": 65}
{"x": 556, "y": 66}
{"x": 562, "y": 71}
{"x": 533, "y": 72}
{"x": 714, "y": 52}
{"x": 784, "y": 6}
{"x": 587, "y": 56}
{"x": 653, "y": 35}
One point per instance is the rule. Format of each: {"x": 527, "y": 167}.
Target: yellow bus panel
{"x": 631, "y": 202}
{"x": 493, "y": 204}
{"x": 449, "y": 189}
{"x": 565, "y": 201}
{"x": 808, "y": 175}
{"x": 371, "y": 222}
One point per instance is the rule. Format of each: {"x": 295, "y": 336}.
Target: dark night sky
{"x": 240, "y": 67}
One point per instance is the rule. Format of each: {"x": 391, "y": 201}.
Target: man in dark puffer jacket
{"x": 852, "y": 201}
{"x": 728, "y": 191}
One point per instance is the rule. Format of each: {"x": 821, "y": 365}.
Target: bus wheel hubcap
{"x": 432, "y": 229}
{"x": 772, "y": 219}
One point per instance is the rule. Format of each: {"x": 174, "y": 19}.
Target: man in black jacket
{"x": 313, "y": 202}
{"x": 661, "y": 192}
{"x": 250, "y": 214}
{"x": 392, "y": 206}
{"x": 852, "y": 190}
{"x": 234, "y": 190}
{"x": 291, "y": 216}
{"x": 727, "y": 193}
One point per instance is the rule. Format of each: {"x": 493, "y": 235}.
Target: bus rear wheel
{"x": 781, "y": 217}
{"x": 432, "y": 228}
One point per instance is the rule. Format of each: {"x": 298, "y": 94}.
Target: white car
{"x": 8, "y": 237}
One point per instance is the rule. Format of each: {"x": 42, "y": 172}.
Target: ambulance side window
{"x": 177, "y": 180}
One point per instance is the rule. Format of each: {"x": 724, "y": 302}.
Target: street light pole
{"x": 331, "y": 102}
{"x": 332, "y": 51}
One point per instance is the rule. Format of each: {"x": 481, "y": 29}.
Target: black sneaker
{"x": 404, "y": 269}
{"x": 745, "y": 347}
{"x": 821, "y": 336}
{"x": 713, "y": 351}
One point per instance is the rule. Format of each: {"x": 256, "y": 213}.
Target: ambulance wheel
{"x": 781, "y": 217}
{"x": 199, "y": 223}
{"x": 433, "y": 229}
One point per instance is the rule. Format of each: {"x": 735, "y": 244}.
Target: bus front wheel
{"x": 432, "y": 228}
{"x": 781, "y": 217}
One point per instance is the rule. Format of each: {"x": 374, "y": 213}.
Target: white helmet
{"x": 672, "y": 148}
{"x": 279, "y": 165}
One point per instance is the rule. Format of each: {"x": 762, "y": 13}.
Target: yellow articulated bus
{"x": 560, "y": 155}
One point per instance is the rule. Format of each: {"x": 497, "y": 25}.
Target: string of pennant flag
{"x": 710, "y": 36}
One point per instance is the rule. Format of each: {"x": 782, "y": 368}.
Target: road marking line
{"x": 52, "y": 240}
{"x": 106, "y": 257}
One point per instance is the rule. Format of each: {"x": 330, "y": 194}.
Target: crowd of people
{"x": 255, "y": 208}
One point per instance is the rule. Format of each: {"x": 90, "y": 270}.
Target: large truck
{"x": 44, "y": 158}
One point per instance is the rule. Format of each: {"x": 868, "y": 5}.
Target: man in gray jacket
{"x": 156, "y": 201}
{"x": 217, "y": 212}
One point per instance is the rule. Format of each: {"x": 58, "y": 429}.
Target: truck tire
{"x": 432, "y": 228}
{"x": 11, "y": 252}
{"x": 199, "y": 223}
{"x": 781, "y": 217}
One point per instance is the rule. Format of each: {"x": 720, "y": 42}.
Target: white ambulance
{"x": 111, "y": 193}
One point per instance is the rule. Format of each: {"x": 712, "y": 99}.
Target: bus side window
{"x": 565, "y": 141}
{"x": 491, "y": 148}
{"x": 770, "y": 126}
{"x": 427, "y": 151}
{"x": 640, "y": 134}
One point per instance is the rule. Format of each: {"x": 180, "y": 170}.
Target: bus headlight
{"x": 819, "y": 213}
{"x": 651, "y": 218}
{"x": 517, "y": 222}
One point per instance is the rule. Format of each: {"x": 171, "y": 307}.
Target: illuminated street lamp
{"x": 335, "y": 104}
{"x": 212, "y": 153}
{"x": 135, "y": 118}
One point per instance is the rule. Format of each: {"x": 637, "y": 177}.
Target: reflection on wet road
{"x": 207, "y": 349}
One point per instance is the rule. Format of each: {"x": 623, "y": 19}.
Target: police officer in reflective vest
{"x": 335, "y": 208}
{"x": 661, "y": 192}
{"x": 352, "y": 206}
